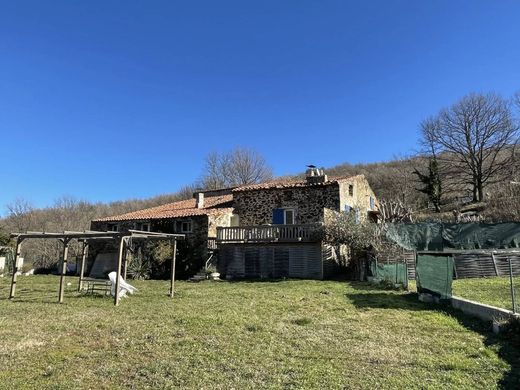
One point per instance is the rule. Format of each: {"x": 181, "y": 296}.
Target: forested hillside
{"x": 467, "y": 168}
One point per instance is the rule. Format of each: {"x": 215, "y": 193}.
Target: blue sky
{"x": 107, "y": 100}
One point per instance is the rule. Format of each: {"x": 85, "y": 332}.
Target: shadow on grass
{"x": 508, "y": 348}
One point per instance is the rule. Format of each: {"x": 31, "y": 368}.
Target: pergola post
{"x": 126, "y": 263}
{"x": 63, "y": 268}
{"x": 15, "y": 267}
{"x": 82, "y": 266}
{"x": 172, "y": 280}
{"x": 118, "y": 276}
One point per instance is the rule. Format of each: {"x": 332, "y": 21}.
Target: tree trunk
{"x": 480, "y": 189}
{"x": 475, "y": 192}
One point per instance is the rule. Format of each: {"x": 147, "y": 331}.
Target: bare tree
{"x": 215, "y": 171}
{"x": 475, "y": 138}
{"x": 392, "y": 211}
{"x": 240, "y": 166}
{"x": 21, "y": 214}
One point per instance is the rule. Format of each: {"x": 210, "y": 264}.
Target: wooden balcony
{"x": 267, "y": 233}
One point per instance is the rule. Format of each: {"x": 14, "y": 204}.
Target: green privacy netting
{"x": 429, "y": 236}
{"x": 434, "y": 274}
{"x": 394, "y": 273}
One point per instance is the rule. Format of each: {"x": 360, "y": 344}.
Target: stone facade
{"x": 356, "y": 193}
{"x": 218, "y": 220}
{"x": 255, "y": 207}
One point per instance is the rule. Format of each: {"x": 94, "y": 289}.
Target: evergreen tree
{"x": 432, "y": 184}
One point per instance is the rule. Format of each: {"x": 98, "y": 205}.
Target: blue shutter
{"x": 278, "y": 216}
{"x": 371, "y": 203}
{"x": 347, "y": 208}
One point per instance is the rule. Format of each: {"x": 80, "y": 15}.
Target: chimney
{"x": 315, "y": 175}
{"x": 199, "y": 200}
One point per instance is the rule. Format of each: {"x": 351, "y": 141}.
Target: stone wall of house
{"x": 256, "y": 207}
{"x": 197, "y": 238}
{"x": 221, "y": 220}
{"x": 361, "y": 195}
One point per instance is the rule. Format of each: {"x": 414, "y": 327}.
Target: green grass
{"x": 289, "y": 334}
{"x": 492, "y": 291}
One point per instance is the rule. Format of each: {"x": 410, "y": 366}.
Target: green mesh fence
{"x": 393, "y": 273}
{"x": 434, "y": 274}
{"x": 430, "y": 236}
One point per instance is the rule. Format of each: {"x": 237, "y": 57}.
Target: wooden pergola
{"x": 122, "y": 238}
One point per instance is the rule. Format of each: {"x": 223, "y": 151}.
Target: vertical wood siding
{"x": 271, "y": 261}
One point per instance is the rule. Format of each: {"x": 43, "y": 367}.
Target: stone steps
{"x": 200, "y": 276}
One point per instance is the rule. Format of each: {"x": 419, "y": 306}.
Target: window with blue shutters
{"x": 278, "y": 216}
{"x": 283, "y": 217}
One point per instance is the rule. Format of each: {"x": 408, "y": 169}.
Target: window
{"x": 183, "y": 226}
{"x": 347, "y": 208}
{"x": 113, "y": 227}
{"x": 284, "y": 217}
{"x": 143, "y": 226}
{"x": 288, "y": 217}
{"x": 351, "y": 190}
{"x": 235, "y": 221}
{"x": 186, "y": 227}
{"x": 372, "y": 203}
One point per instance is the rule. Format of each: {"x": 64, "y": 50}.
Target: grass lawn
{"x": 492, "y": 291}
{"x": 290, "y": 334}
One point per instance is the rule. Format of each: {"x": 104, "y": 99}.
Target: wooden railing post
{"x": 265, "y": 233}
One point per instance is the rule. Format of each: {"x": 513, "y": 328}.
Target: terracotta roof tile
{"x": 184, "y": 208}
{"x": 292, "y": 183}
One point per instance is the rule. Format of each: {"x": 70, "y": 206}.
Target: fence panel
{"x": 434, "y": 274}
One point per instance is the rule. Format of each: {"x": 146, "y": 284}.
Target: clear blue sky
{"x": 107, "y": 100}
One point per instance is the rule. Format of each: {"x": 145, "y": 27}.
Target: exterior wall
{"x": 271, "y": 261}
{"x": 255, "y": 207}
{"x": 361, "y": 198}
{"x": 198, "y": 237}
{"x": 199, "y": 225}
{"x": 214, "y": 221}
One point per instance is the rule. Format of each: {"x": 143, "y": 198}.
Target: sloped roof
{"x": 293, "y": 183}
{"x": 184, "y": 208}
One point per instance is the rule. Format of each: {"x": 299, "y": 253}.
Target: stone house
{"x": 261, "y": 230}
{"x": 271, "y": 232}
{"x": 196, "y": 218}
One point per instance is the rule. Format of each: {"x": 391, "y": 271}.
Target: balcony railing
{"x": 268, "y": 233}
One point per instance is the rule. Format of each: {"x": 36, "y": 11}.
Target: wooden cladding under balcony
{"x": 273, "y": 233}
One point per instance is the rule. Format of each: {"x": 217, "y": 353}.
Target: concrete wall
{"x": 481, "y": 310}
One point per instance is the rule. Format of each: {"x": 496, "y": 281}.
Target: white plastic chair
{"x": 124, "y": 287}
